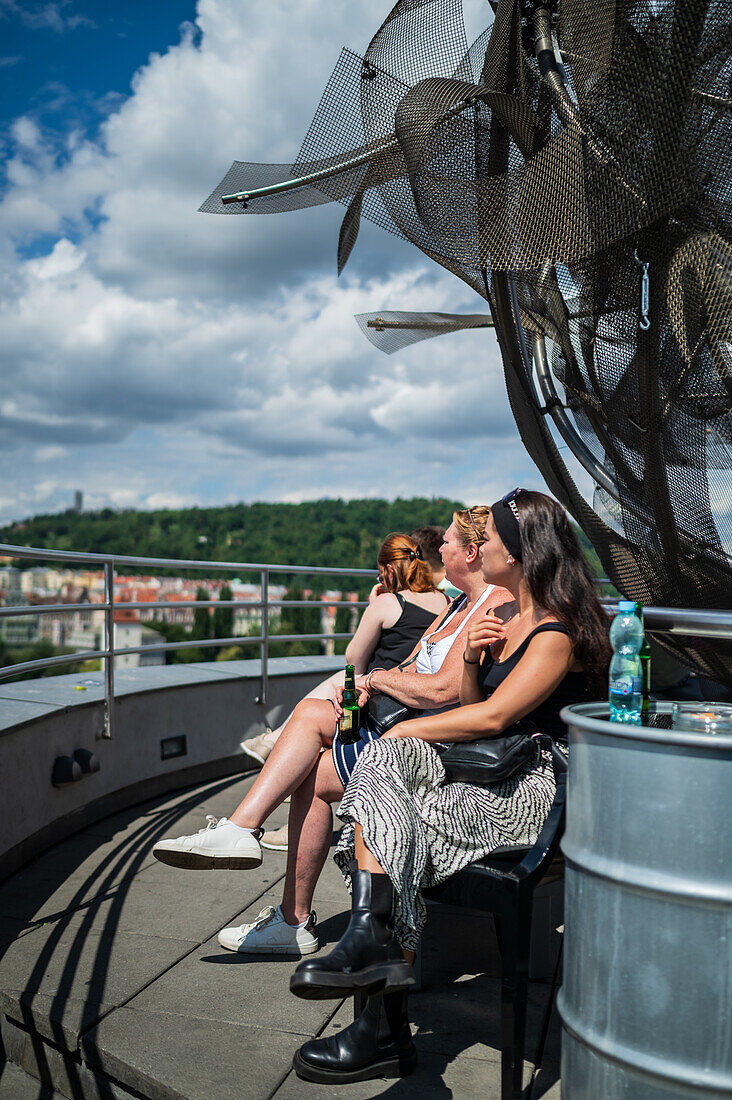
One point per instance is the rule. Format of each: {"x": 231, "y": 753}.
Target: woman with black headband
{"x": 310, "y": 763}
{"x": 407, "y": 827}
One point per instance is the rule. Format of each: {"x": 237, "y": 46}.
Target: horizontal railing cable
{"x": 114, "y": 563}
{"x": 683, "y": 621}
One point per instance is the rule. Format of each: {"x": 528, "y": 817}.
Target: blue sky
{"x": 153, "y": 356}
{"x": 70, "y": 62}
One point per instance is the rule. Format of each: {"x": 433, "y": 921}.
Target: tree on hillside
{"x": 223, "y": 617}
{"x": 297, "y": 620}
{"x": 329, "y": 532}
{"x": 201, "y": 617}
{"x": 343, "y": 624}
{"x": 174, "y": 632}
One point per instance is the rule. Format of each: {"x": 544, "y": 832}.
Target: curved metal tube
{"x": 564, "y": 105}
{"x": 553, "y": 406}
{"x": 312, "y": 177}
{"x": 387, "y": 143}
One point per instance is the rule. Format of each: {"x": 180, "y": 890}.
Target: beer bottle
{"x": 645, "y": 659}
{"x": 350, "y": 724}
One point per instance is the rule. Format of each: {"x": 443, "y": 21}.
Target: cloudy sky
{"x": 153, "y": 356}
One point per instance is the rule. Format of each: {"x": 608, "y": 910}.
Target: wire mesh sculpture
{"x": 572, "y": 165}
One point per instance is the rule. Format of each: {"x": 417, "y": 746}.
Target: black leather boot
{"x": 377, "y": 1044}
{"x": 367, "y": 957}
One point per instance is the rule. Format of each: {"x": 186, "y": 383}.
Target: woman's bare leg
{"x": 324, "y": 690}
{"x": 364, "y": 859}
{"x": 311, "y": 828}
{"x": 310, "y": 729}
{"x": 367, "y": 862}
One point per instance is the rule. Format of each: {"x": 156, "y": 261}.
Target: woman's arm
{"x": 416, "y": 689}
{"x": 428, "y": 690}
{"x": 383, "y": 611}
{"x": 482, "y": 632}
{"x": 546, "y": 662}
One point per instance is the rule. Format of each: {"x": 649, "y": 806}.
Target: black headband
{"x": 507, "y": 527}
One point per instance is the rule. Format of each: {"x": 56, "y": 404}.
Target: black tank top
{"x": 572, "y": 689}
{"x": 398, "y": 641}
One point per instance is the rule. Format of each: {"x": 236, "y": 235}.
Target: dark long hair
{"x": 559, "y": 580}
{"x": 410, "y": 569}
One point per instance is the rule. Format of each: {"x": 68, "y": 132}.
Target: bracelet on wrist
{"x": 367, "y": 684}
{"x": 467, "y": 662}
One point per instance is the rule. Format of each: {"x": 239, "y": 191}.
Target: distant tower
{"x": 78, "y": 500}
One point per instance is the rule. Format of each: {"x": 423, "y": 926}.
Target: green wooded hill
{"x": 321, "y": 532}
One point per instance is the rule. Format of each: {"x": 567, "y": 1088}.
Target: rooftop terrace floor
{"x": 112, "y": 982}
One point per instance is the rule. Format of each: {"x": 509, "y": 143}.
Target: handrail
{"x": 684, "y": 621}
{"x": 112, "y": 563}
{"x": 36, "y": 552}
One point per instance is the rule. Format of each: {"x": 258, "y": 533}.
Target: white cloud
{"x": 64, "y": 259}
{"x": 162, "y": 357}
{"x": 53, "y": 15}
{"x": 50, "y": 454}
{"x": 26, "y": 133}
{"x": 42, "y": 490}
{"x": 169, "y": 500}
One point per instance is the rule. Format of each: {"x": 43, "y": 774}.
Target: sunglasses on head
{"x": 509, "y": 500}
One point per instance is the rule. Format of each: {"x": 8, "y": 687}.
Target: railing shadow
{"x": 111, "y": 878}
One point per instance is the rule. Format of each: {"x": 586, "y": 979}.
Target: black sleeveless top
{"x": 398, "y": 641}
{"x": 572, "y": 689}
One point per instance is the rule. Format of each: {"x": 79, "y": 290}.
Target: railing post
{"x": 265, "y": 637}
{"x": 108, "y": 727}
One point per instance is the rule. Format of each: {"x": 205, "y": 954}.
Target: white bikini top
{"x": 432, "y": 654}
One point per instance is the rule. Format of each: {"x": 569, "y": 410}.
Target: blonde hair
{"x": 471, "y": 531}
{"x": 409, "y": 570}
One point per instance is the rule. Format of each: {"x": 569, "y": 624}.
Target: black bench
{"x": 503, "y": 884}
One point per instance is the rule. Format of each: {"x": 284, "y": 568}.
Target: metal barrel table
{"x": 646, "y": 1000}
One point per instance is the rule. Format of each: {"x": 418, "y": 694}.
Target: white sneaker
{"x": 270, "y": 934}
{"x": 276, "y": 840}
{"x": 221, "y": 845}
{"x": 260, "y": 747}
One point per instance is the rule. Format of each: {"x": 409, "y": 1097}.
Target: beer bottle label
{"x": 346, "y": 722}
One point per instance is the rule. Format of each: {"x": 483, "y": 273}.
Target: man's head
{"x": 430, "y": 540}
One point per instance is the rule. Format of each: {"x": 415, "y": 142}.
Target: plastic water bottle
{"x": 626, "y": 677}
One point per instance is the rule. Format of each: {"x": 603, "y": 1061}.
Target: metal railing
{"x": 111, "y": 563}
{"x": 683, "y": 621}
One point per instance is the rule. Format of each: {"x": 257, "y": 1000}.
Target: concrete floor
{"x": 112, "y": 983}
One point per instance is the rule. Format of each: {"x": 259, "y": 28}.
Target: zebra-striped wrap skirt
{"x": 423, "y": 829}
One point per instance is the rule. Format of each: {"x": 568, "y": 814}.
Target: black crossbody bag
{"x": 383, "y": 712}
{"x": 493, "y": 759}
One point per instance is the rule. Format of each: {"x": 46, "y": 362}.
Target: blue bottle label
{"x": 622, "y": 685}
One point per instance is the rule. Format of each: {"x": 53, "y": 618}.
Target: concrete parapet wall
{"x": 214, "y": 706}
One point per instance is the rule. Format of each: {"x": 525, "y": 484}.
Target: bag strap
{"x": 559, "y": 760}
{"x": 406, "y": 664}
{"x": 452, "y": 609}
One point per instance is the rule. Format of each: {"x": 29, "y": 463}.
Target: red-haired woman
{"x": 401, "y": 607}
